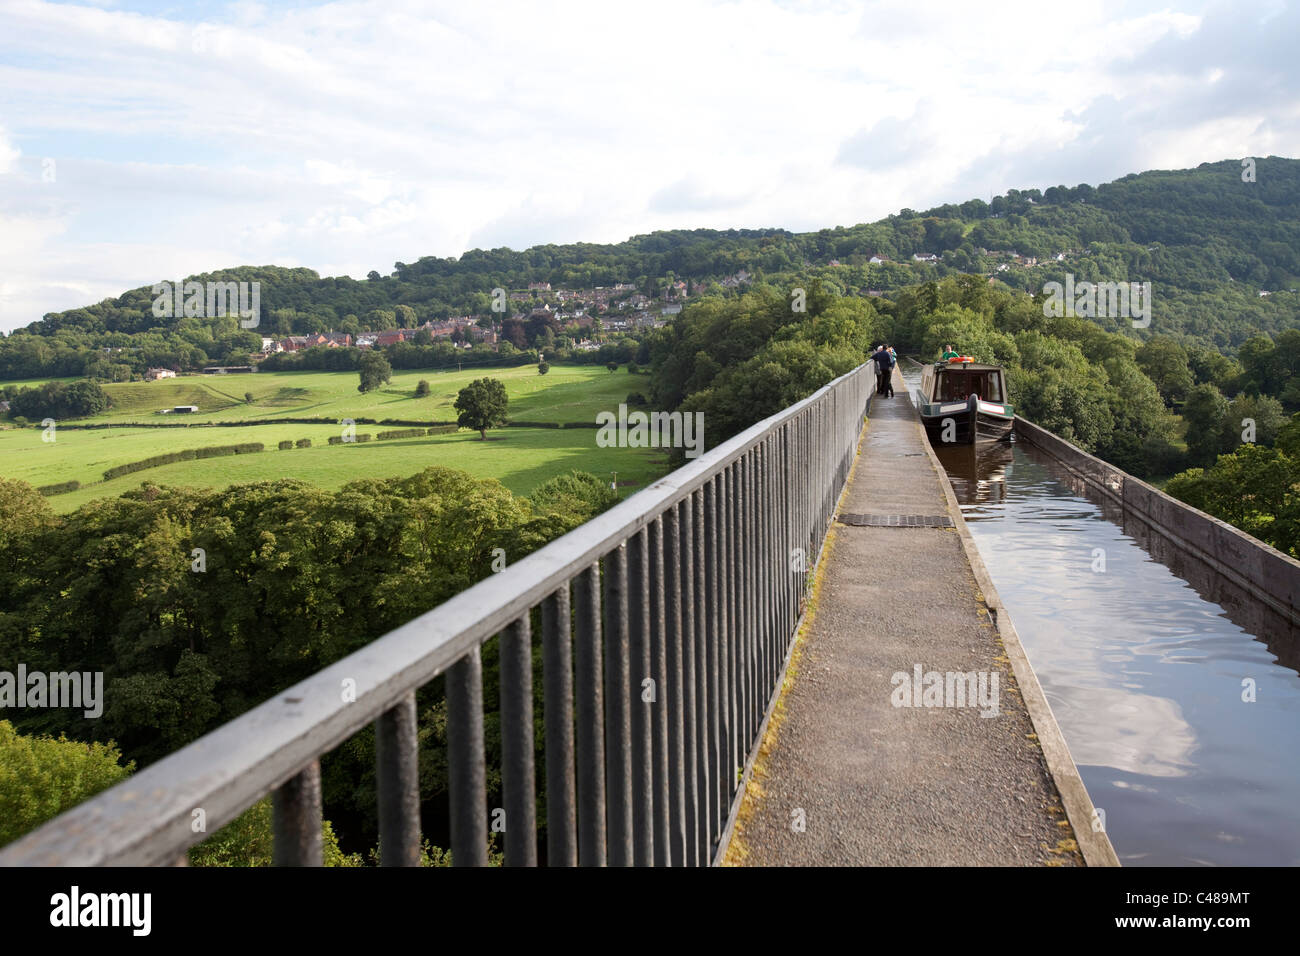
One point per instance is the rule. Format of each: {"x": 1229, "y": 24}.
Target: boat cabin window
{"x": 955, "y": 386}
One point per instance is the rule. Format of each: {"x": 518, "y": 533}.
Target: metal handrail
{"x": 689, "y": 584}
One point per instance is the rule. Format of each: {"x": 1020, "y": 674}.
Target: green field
{"x": 568, "y": 393}
{"x": 521, "y": 458}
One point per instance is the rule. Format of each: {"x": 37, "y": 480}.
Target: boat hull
{"x": 971, "y": 423}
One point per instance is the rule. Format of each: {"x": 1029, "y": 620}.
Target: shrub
{"x": 400, "y": 433}
{"x": 59, "y": 489}
{"x": 189, "y": 454}
{"x": 303, "y": 443}
{"x": 635, "y": 398}
{"x": 247, "y": 840}
{"x": 286, "y": 444}
{"x": 43, "y": 776}
{"x": 422, "y": 388}
{"x": 579, "y": 496}
{"x": 443, "y": 430}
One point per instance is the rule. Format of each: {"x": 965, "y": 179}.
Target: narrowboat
{"x": 963, "y": 402}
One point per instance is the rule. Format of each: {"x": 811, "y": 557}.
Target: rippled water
{"x": 1143, "y": 667}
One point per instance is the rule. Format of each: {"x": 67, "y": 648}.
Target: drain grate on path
{"x": 896, "y": 521}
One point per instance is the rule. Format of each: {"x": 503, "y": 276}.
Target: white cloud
{"x": 353, "y": 134}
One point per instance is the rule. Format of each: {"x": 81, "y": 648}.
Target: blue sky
{"x": 148, "y": 140}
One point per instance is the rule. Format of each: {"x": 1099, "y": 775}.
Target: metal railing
{"x": 665, "y": 624}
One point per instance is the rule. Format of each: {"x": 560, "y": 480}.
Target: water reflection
{"x": 978, "y": 472}
{"x": 1145, "y": 654}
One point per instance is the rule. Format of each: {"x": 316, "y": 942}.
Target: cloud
{"x": 687, "y": 196}
{"x": 353, "y": 134}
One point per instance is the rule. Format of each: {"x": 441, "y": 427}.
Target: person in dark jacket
{"x": 884, "y": 371}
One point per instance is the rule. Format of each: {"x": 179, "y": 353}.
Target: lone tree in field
{"x": 375, "y": 371}
{"x": 422, "y": 388}
{"x": 543, "y": 368}
{"x": 482, "y": 405}
{"x": 612, "y": 366}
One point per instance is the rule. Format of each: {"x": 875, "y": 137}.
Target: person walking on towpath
{"x": 884, "y": 371}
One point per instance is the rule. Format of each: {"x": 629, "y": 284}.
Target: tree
{"x": 543, "y": 368}
{"x": 247, "y": 841}
{"x": 1266, "y": 414}
{"x": 42, "y": 776}
{"x": 1164, "y": 361}
{"x": 612, "y": 366}
{"x": 1204, "y": 413}
{"x": 1253, "y": 489}
{"x": 375, "y": 371}
{"x": 482, "y": 405}
{"x": 422, "y": 388}
{"x": 578, "y": 493}
{"x": 406, "y": 317}
{"x": 248, "y": 398}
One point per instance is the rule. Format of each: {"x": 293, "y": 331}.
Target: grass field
{"x": 568, "y": 393}
{"x": 521, "y": 458}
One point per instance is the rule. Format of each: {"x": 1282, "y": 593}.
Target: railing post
{"x": 715, "y": 596}
{"x": 591, "y": 720}
{"x": 518, "y": 776}
{"x": 557, "y": 677}
{"x": 467, "y": 772}
{"x": 690, "y": 711}
{"x": 730, "y": 570}
{"x": 644, "y": 697}
{"x": 397, "y": 766}
{"x": 703, "y": 637}
{"x": 673, "y": 689}
{"x": 748, "y": 577}
{"x": 763, "y": 568}
{"x": 661, "y": 707}
{"x": 618, "y": 716}
{"x": 296, "y": 819}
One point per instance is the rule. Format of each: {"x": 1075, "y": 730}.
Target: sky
{"x": 151, "y": 140}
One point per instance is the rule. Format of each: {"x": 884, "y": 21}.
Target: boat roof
{"x": 967, "y": 366}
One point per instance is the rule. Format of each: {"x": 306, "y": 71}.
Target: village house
{"x": 539, "y": 287}
{"x": 153, "y": 374}
{"x": 393, "y": 336}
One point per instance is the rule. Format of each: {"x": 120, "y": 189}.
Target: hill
{"x": 1209, "y": 241}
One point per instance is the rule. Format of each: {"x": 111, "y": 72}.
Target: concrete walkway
{"x": 879, "y": 784}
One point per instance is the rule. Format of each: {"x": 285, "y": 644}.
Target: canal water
{"x": 1149, "y": 660}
